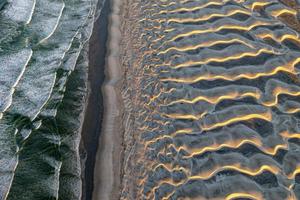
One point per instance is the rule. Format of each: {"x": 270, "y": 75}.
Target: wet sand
{"x": 94, "y": 109}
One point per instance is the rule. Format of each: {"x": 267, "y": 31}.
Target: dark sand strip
{"x": 94, "y": 111}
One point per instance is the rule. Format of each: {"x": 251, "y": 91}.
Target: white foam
{"x": 12, "y": 69}
{"x": 54, "y": 22}
{"x": 20, "y": 10}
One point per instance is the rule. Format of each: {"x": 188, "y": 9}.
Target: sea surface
{"x": 43, "y": 88}
{"x": 216, "y": 107}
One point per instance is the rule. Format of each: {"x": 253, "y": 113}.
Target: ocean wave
{"x": 43, "y": 70}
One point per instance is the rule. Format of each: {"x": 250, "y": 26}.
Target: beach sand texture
{"x": 201, "y": 101}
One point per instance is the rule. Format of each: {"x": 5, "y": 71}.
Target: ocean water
{"x": 216, "y": 106}
{"x": 43, "y": 87}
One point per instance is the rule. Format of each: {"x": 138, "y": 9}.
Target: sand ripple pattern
{"x": 42, "y": 49}
{"x": 221, "y": 88}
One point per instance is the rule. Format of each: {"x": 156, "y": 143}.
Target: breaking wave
{"x": 43, "y": 76}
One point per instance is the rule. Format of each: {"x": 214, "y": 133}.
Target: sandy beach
{"x": 195, "y": 96}
{"x": 107, "y": 167}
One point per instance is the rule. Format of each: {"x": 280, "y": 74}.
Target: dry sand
{"x": 159, "y": 155}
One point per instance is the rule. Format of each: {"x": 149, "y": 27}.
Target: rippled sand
{"x": 210, "y": 93}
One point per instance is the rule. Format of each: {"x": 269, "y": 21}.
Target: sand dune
{"x": 210, "y": 93}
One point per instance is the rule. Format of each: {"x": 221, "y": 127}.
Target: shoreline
{"x": 107, "y": 169}
{"x": 118, "y": 166}
{"x": 93, "y": 115}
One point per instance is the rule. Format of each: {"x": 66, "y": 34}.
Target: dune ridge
{"x": 210, "y": 94}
